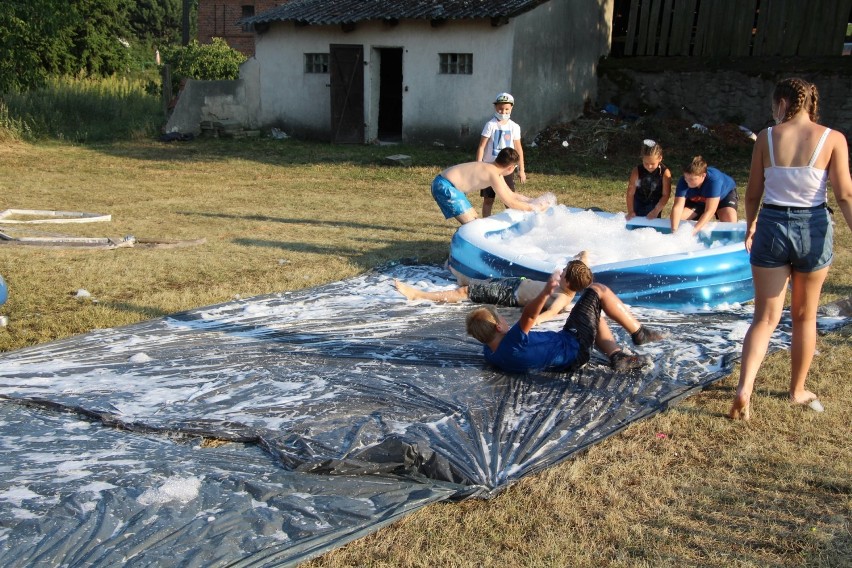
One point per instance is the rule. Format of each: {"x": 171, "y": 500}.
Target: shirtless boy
{"x": 451, "y": 186}
{"x": 510, "y": 292}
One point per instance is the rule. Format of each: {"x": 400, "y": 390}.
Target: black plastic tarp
{"x": 349, "y": 407}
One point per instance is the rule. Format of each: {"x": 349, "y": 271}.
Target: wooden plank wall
{"x": 736, "y": 28}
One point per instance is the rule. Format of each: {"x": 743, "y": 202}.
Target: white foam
{"x": 140, "y": 358}
{"x": 174, "y": 489}
{"x": 559, "y": 233}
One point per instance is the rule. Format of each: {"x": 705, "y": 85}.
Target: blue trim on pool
{"x": 687, "y": 281}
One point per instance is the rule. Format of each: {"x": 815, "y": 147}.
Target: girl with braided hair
{"x": 790, "y": 237}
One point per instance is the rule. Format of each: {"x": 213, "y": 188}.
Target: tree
{"x": 157, "y": 22}
{"x": 211, "y": 61}
{"x": 40, "y": 38}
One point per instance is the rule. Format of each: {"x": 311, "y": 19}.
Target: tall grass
{"x": 82, "y": 110}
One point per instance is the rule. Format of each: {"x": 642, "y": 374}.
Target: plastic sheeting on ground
{"x": 349, "y": 405}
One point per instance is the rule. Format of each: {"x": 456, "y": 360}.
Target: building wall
{"x": 436, "y": 107}
{"x": 545, "y": 57}
{"x": 218, "y": 18}
{"x": 556, "y": 50}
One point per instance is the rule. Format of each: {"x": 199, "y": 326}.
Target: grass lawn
{"x": 285, "y": 215}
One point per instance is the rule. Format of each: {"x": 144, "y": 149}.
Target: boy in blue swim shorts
{"x": 451, "y": 186}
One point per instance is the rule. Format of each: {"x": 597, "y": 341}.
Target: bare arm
{"x": 522, "y": 173}
{"x": 664, "y": 198}
{"x": 561, "y": 300}
{"x": 838, "y": 173}
{"x": 480, "y": 151}
{"x": 677, "y": 212}
{"x": 631, "y": 192}
{"x": 533, "y": 309}
{"x": 508, "y": 197}
{"x": 711, "y": 204}
{"x": 754, "y": 189}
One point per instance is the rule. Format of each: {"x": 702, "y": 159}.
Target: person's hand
{"x": 522, "y": 176}
{"x": 629, "y": 215}
{"x": 553, "y": 281}
{"x": 749, "y": 238}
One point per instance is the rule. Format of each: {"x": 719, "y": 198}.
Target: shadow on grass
{"x": 147, "y": 311}
{"x": 293, "y": 221}
{"x": 285, "y": 152}
{"x": 409, "y": 251}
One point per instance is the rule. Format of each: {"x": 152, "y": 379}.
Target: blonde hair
{"x": 799, "y": 94}
{"x": 578, "y": 275}
{"x": 695, "y": 167}
{"x": 481, "y": 323}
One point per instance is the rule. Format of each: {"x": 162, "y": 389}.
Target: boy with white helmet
{"x": 500, "y": 132}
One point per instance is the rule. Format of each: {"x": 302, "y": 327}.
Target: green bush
{"x": 209, "y": 62}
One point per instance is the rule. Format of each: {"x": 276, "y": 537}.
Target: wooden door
{"x": 346, "y": 69}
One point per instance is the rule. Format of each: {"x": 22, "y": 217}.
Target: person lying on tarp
{"x": 511, "y": 292}
{"x": 516, "y": 349}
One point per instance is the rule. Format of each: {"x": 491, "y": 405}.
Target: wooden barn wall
{"x": 736, "y": 28}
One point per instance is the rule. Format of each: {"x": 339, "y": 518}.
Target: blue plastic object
{"x": 4, "y": 291}
{"x": 708, "y": 279}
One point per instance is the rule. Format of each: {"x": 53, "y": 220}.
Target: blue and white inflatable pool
{"x": 715, "y": 275}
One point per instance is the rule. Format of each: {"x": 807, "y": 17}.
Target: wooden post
{"x": 166, "y": 75}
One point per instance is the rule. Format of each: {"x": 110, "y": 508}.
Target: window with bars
{"x": 247, "y": 12}
{"x": 316, "y": 63}
{"x": 456, "y": 63}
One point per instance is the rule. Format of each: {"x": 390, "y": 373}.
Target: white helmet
{"x": 504, "y": 98}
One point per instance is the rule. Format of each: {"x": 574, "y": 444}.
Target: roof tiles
{"x": 333, "y": 12}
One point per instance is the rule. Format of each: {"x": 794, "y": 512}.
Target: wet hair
{"x": 799, "y": 94}
{"x": 578, "y": 275}
{"x": 481, "y": 323}
{"x": 507, "y": 157}
{"x": 695, "y": 167}
{"x": 651, "y": 149}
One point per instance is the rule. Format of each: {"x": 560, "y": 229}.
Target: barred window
{"x": 247, "y": 12}
{"x": 316, "y": 63}
{"x": 456, "y": 63}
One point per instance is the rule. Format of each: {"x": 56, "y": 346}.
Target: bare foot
{"x": 582, "y": 256}
{"x": 740, "y": 410}
{"x": 809, "y": 399}
{"x": 803, "y": 398}
{"x": 409, "y": 292}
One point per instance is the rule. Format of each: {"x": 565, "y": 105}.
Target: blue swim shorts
{"x": 799, "y": 238}
{"x": 451, "y": 201}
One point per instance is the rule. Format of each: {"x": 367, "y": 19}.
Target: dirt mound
{"x": 608, "y": 135}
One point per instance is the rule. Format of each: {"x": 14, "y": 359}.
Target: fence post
{"x": 166, "y": 75}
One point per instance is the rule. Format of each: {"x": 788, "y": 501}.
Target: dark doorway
{"x": 390, "y": 95}
{"x": 346, "y": 70}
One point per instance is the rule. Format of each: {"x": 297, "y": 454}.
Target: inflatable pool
{"x": 714, "y": 275}
{"x": 4, "y": 291}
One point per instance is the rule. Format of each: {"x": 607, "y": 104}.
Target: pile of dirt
{"x": 604, "y": 135}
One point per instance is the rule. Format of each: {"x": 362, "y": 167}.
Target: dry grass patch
{"x": 685, "y": 488}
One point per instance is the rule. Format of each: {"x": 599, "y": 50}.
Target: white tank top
{"x": 795, "y": 186}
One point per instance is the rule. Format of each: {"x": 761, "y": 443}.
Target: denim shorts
{"x": 799, "y": 238}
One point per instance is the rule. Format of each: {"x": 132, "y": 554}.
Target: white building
{"x": 354, "y": 71}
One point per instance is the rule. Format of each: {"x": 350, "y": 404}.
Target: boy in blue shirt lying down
{"x": 516, "y": 349}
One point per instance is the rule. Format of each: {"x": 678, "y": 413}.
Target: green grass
{"x": 285, "y": 215}
{"x": 96, "y": 110}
